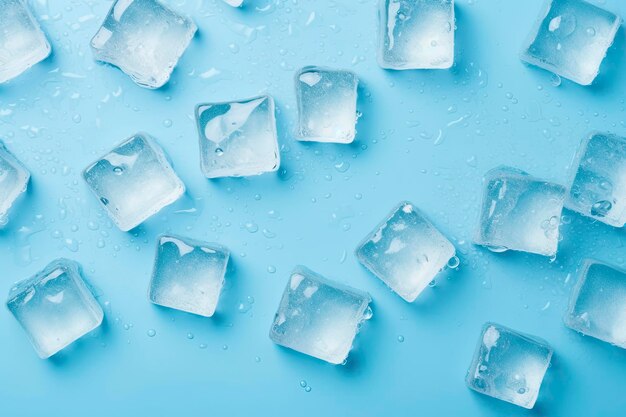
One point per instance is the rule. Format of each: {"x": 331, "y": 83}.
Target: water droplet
{"x": 555, "y": 80}
{"x": 257, "y": 359}
{"x": 251, "y": 227}
{"x": 190, "y": 336}
{"x": 225, "y": 347}
{"x": 219, "y": 151}
{"x": 118, "y": 170}
{"x": 307, "y": 388}
{"x": 497, "y": 249}
{"x": 151, "y": 333}
{"x": 271, "y": 269}
{"x": 167, "y": 123}
{"x": 454, "y": 262}
{"x": 303, "y": 383}
{"x": 368, "y": 313}
{"x": 601, "y": 208}
{"x": 590, "y": 32}
{"x": 400, "y": 338}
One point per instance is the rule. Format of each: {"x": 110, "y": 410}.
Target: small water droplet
{"x": 601, "y": 208}
{"x": 151, "y": 333}
{"x": 454, "y": 262}
{"x": 190, "y": 336}
{"x": 219, "y": 151}
{"x": 400, "y": 338}
{"x": 271, "y": 269}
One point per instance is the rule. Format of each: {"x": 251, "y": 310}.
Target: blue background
{"x": 425, "y": 136}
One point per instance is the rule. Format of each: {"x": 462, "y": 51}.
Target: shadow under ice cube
{"x": 14, "y": 180}
{"x": 571, "y": 38}
{"x": 508, "y": 365}
{"x": 319, "y": 317}
{"x": 416, "y": 34}
{"x": 597, "y": 305}
{"x": 238, "y": 138}
{"x": 520, "y": 212}
{"x": 143, "y": 38}
{"x": 405, "y": 251}
{"x": 598, "y": 187}
{"x": 188, "y": 275}
{"x": 327, "y": 101}
{"x": 134, "y": 181}
{"x": 55, "y": 307}
{"x": 22, "y": 42}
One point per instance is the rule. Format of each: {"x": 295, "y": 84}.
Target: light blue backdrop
{"x": 425, "y": 136}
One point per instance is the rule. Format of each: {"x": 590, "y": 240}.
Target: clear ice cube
{"x": 238, "y": 138}
{"x": 571, "y": 38}
{"x": 520, "y": 212}
{"x": 188, "y": 275}
{"x": 319, "y": 317}
{"x": 22, "y": 42}
{"x": 134, "y": 181}
{"x": 508, "y": 365}
{"x": 143, "y": 38}
{"x": 55, "y": 307}
{"x": 13, "y": 182}
{"x": 598, "y": 187}
{"x": 326, "y": 104}
{"x": 598, "y": 303}
{"x": 405, "y": 251}
{"x": 416, "y": 34}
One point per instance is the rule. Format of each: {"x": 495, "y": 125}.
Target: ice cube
{"x": 13, "y": 182}
{"x": 598, "y": 187}
{"x": 55, "y": 307}
{"x": 319, "y": 317}
{"x": 405, "y": 251}
{"x": 508, "y": 365}
{"x": 326, "y": 104}
{"x": 134, "y": 181}
{"x": 520, "y": 212}
{"x": 238, "y": 138}
{"x": 416, "y": 34}
{"x": 598, "y": 303}
{"x": 571, "y": 38}
{"x": 22, "y": 42}
{"x": 188, "y": 275}
{"x": 143, "y": 38}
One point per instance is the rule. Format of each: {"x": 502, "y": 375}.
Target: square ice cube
{"x": 238, "y": 138}
{"x": 143, "y": 38}
{"x": 134, "y": 181}
{"x": 326, "y": 104}
{"x": 520, "y": 212}
{"x": 405, "y": 251}
{"x": 508, "y": 365}
{"x": 571, "y": 38}
{"x": 319, "y": 317}
{"x": 188, "y": 275}
{"x": 598, "y": 187}
{"x": 598, "y": 303}
{"x": 13, "y": 182}
{"x": 55, "y": 307}
{"x": 22, "y": 42}
{"x": 416, "y": 34}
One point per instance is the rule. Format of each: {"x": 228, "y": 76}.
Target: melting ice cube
{"x": 13, "y": 182}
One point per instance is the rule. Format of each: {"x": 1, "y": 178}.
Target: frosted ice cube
{"x": 571, "y": 38}
{"x": 13, "y": 182}
{"x": 188, "y": 274}
{"x": 508, "y": 365}
{"x": 405, "y": 251}
{"x": 326, "y": 104}
{"x": 55, "y": 307}
{"x": 22, "y": 42}
{"x": 143, "y": 38}
{"x": 598, "y": 303}
{"x": 598, "y": 187}
{"x": 319, "y": 317}
{"x": 134, "y": 181}
{"x": 520, "y": 212}
{"x": 238, "y": 138}
{"x": 416, "y": 34}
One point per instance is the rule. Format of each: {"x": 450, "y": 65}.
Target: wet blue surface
{"x": 425, "y": 136}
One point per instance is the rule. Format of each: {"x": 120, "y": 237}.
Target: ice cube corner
{"x": 238, "y": 138}
{"x": 55, "y": 307}
{"x": 571, "y": 39}
{"x": 134, "y": 181}
{"x": 509, "y": 365}
{"x": 597, "y": 306}
{"x": 22, "y": 42}
{"x": 143, "y": 38}
{"x": 14, "y": 178}
{"x": 327, "y": 100}
{"x": 319, "y": 317}
{"x": 188, "y": 274}
{"x": 520, "y": 212}
{"x": 405, "y": 251}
